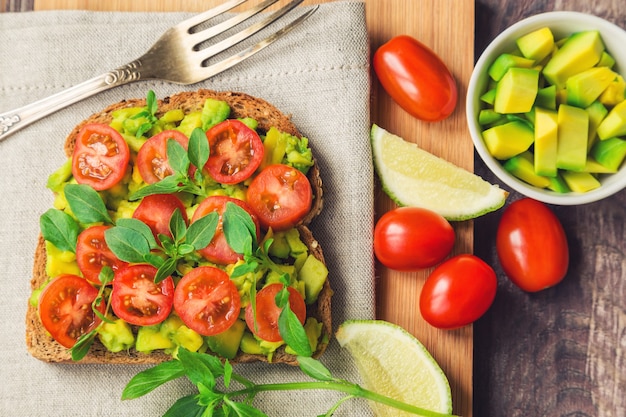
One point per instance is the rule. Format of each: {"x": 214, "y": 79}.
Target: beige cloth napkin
{"x": 319, "y": 74}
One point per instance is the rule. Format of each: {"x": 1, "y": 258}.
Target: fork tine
{"x": 226, "y": 63}
{"x": 206, "y": 34}
{"x": 215, "y": 49}
{"x": 209, "y": 14}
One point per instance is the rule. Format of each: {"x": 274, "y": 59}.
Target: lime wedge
{"x": 414, "y": 177}
{"x": 393, "y": 363}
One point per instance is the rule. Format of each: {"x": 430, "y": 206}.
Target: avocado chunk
{"x": 516, "y": 91}
{"x": 509, "y": 139}
{"x": 614, "y": 124}
{"x": 214, "y": 112}
{"x": 610, "y": 152}
{"x": 571, "y": 151}
{"x": 116, "y": 336}
{"x": 314, "y": 274}
{"x": 597, "y": 112}
{"x": 580, "y": 52}
{"x": 537, "y": 44}
{"x": 226, "y": 344}
{"x": 488, "y": 116}
{"x": 558, "y": 184}
{"x": 546, "y": 136}
{"x": 279, "y": 246}
{"x": 546, "y": 97}
{"x": 614, "y": 93}
{"x": 521, "y": 166}
{"x": 489, "y": 96}
{"x": 594, "y": 167}
{"x": 149, "y": 338}
{"x": 585, "y": 87}
{"x": 249, "y": 344}
{"x": 580, "y": 182}
{"x": 504, "y": 62}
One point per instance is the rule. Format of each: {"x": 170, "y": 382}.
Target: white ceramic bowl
{"x": 562, "y": 24}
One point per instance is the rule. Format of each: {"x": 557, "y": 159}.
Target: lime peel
{"x": 393, "y": 363}
{"x": 411, "y": 176}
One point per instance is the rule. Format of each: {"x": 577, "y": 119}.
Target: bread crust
{"x": 42, "y": 346}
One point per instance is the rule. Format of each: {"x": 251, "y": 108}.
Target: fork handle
{"x": 14, "y": 120}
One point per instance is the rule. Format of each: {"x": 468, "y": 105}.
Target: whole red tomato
{"x": 412, "y": 238}
{"x": 458, "y": 292}
{"x": 416, "y": 78}
{"x": 532, "y": 246}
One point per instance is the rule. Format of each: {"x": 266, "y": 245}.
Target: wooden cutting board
{"x": 448, "y": 28}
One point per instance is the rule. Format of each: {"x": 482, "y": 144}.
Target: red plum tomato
{"x": 531, "y": 245}
{"x": 458, "y": 292}
{"x": 412, "y": 238}
{"x": 416, "y": 78}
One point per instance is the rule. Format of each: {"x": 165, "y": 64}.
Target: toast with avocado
{"x": 180, "y": 222}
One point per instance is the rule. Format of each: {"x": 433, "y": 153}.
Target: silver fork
{"x": 175, "y": 57}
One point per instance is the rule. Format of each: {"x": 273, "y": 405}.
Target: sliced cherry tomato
{"x": 207, "y": 300}
{"x": 152, "y": 161}
{"x": 219, "y": 251}
{"x": 100, "y": 156}
{"x": 265, "y": 325}
{"x": 458, "y": 292}
{"x": 65, "y": 308}
{"x": 280, "y": 196}
{"x": 416, "y": 78}
{"x": 532, "y": 246}
{"x": 412, "y": 238}
{"x": 137, "y": 299}
{"x": 236, "y": 152}
{"x": 156, "y": 211}
{"x": 92, "y": 253}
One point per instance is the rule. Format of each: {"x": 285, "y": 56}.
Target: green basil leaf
{"x": 177, "y": 157}
{"x": 314, "y": 368}
{"x": 178, "y": 227}
{"x": 127, "y": 244}
{"x": 151, "y": 102}
{"x": 82, "y": 345}
{"x": 293, "y": 332}
{"x": 140, "y": 227}
{"x": 106, "y": 275}
{"x": 282, "y": 298}
{"x": 185, "y": 249}
{"x": 201, "y": 231}
{"x": 167, "y": 185}
{"x": 60, "y": 229}
{"x": 239, "y": 229}
{"x": 228, "y": 373}
{"x": 198, "y": 149}
{"x": 165, "y": 270}
{"x": 151, "y": 378}
{"x": 198, "y": 370}
{"x": 186, "y": 406}
{"x": 243, "y": 269}
{"x": 154, "y": 259}
{"x": 86, "y": 204}
{"x": 243, "y": 409}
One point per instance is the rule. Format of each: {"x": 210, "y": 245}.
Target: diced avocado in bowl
{"x": 542, "y": 101}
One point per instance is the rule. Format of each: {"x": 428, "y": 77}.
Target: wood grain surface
{"x": 561, "y": 352}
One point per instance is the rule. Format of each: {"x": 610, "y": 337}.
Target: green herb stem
{"x": 354, "y": 390}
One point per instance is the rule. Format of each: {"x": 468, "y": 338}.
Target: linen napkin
{"x": 318, "y": 73}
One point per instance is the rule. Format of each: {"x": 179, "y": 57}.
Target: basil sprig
{"x": 84, "y": 342}
{"x": 240, "y": 233}
{"x": 235, "y": 395}
{"x": 180, "y": 160}
{"x": 132, "y": 241}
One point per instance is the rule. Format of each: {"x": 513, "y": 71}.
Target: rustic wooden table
{"x": 561, "y": 352}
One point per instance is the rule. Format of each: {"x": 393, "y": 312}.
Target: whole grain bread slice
{"x": 42, "y": 346}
